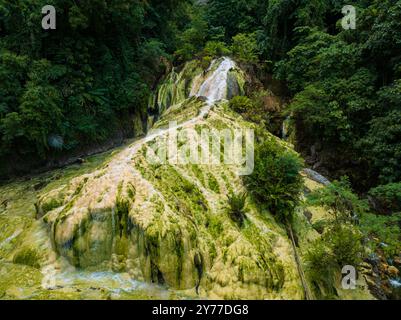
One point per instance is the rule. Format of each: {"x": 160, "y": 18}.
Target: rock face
{"x": 168, "y": 223}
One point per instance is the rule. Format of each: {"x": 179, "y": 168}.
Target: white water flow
{"x": 395, "y": 283}
{"x": 214, "y": 89}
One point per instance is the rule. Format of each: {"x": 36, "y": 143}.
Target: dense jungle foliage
{"x": 82, "y": 83}
{"x": 344, "y": 85}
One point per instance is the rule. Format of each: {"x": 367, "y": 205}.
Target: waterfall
{"x": 215, "y": 87}
{"x": 285, "y": 127}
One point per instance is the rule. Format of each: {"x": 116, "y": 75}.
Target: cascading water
{"x": 395, "y": 283}
{"x": 215, "y": 87}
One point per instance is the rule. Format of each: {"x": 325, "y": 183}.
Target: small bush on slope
{"x": 340, "y": 201}
{"x": 241, "y": 104}
{"x": 276, "y": 181}
{"x": 338, "y": 247}
{"x": 341, "y": 242}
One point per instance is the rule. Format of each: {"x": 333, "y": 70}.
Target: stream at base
{"x": 27, "y": 284}
{"x": 109, "y": 284}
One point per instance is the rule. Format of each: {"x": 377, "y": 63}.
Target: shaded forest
{"x": 84, "y": 82}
